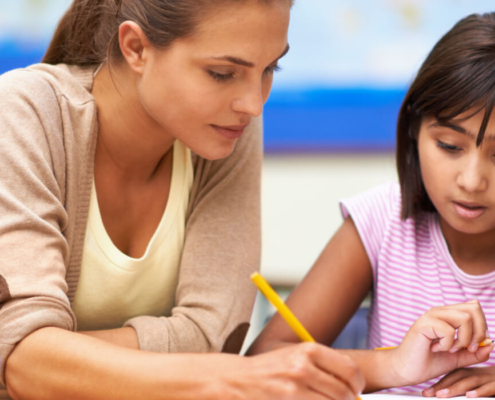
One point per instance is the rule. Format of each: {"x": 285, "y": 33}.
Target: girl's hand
{"x": 301, "y": 371}
{"x": 442, "y": 340}
{"x": 472, "y": 382}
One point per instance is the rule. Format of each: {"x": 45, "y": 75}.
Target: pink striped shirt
{"x": 413, "y": 270}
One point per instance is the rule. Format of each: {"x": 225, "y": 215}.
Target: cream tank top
{"x": 114, "y": 287}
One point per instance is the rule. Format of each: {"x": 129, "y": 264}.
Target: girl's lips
{"x": 230, "y": 132}
{"x": 468, "y": 211}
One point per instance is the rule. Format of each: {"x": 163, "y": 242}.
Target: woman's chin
{"x": 216, "y": 152}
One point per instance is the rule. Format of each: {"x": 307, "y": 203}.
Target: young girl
{"x": 425, "y": 248}
{"x": 129, "y": 189}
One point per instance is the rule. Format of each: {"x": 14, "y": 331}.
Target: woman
{"x": 130, "y": 189}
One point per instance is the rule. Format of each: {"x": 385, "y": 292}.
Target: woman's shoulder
{"x": 40, "y": 83}
{"x": 47, "y": 104}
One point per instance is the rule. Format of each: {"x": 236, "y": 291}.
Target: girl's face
{"x": 203, "y": 90}
{"x": 458, "y": 176}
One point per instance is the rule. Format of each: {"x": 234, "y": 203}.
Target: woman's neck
{"x": 130, "y": 144}
{"x": 473, "y": 253}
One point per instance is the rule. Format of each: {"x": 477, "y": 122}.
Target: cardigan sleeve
{"x": 32, "y": 215}
{"x": 215, "y": 296}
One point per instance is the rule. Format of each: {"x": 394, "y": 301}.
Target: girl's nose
{"x": 473, "y": 176}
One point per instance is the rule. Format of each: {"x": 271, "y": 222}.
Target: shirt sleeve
{"x": 215, "y": 296}
{"x": 371, "y": 212}
{"x": 32, "y": 215}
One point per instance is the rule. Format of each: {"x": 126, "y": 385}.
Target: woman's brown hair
{"x": 458, "y": 75}
{"x": 88, "y": 32}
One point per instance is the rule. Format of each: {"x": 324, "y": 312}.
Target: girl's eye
{"x": 448, "y": 147}
{"x": 271, "y": 70}
{"x": 220, "y": 77}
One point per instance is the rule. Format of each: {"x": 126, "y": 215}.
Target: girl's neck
{"x": 130, "y": 143}
{"x": 473, "y": 253}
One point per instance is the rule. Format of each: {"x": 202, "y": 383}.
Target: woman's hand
{"x": 472, "y": 382}
{"x": 301, "y": 371}
{"x": 442, "y": 340}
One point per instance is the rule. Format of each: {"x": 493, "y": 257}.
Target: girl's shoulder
{"x": 383, "y": 201}
{"x": 376, "y": 213}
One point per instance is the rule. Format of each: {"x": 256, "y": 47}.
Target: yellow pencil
{"x": 282, "y": 309}
{"x": 280, "y": 306}
{"x": 484, "y": 343}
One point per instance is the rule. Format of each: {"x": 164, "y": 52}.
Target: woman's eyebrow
{"x": 244, "y": 63}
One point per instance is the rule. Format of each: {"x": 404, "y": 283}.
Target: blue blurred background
{"x": 343, "y": 80}
{"x": 329, "y": 122}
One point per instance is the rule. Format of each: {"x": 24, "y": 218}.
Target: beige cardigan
{"x": 48, "y": 134}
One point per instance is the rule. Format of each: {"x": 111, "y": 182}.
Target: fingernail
{"x": 453, "y": 349}
{"x": 473, "y": 347}
{"x": 429, "y": 391}
{"x": 442, "y": 392}
{"x": 472, "y": 393}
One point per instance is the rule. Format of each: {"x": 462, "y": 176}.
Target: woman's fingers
{"x": 325, "y": 371}
{"x": 305, "y": 371}
{"x": 341, "y": 366}
{"x": 331, "y": 387}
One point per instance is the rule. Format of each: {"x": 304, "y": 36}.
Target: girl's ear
{"x": 133, "y": 43}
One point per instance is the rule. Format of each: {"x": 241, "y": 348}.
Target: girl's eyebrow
{"x": 454, "y": 127}
{"x": 244, "y": 63}
{"x": 460, "y": 129}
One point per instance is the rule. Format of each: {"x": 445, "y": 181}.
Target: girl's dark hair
{"x": 458, "y": 75}
{"x": 88, "y": 32}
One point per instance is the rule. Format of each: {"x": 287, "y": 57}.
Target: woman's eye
{"x": 220, "y": 77}
{"x": 272, "y": 69}
{"x": 449, "y": 147}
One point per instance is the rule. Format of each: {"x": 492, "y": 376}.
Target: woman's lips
{"x": 469, "y": 210}
{"x": 230, "y": 132}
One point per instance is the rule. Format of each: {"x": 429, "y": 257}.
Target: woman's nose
{"x": 250, "y": 101}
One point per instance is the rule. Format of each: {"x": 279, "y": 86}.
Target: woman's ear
{"x": 133, "y": 43}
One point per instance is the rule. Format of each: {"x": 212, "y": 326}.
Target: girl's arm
{"x": 331, "y": 292}
{"x": 328, "y": 296}
{"x": 52, "y": 363}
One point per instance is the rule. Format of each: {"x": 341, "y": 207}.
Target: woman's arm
{"x": 53, "y": 364}
{"x": 124, "y": 337}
